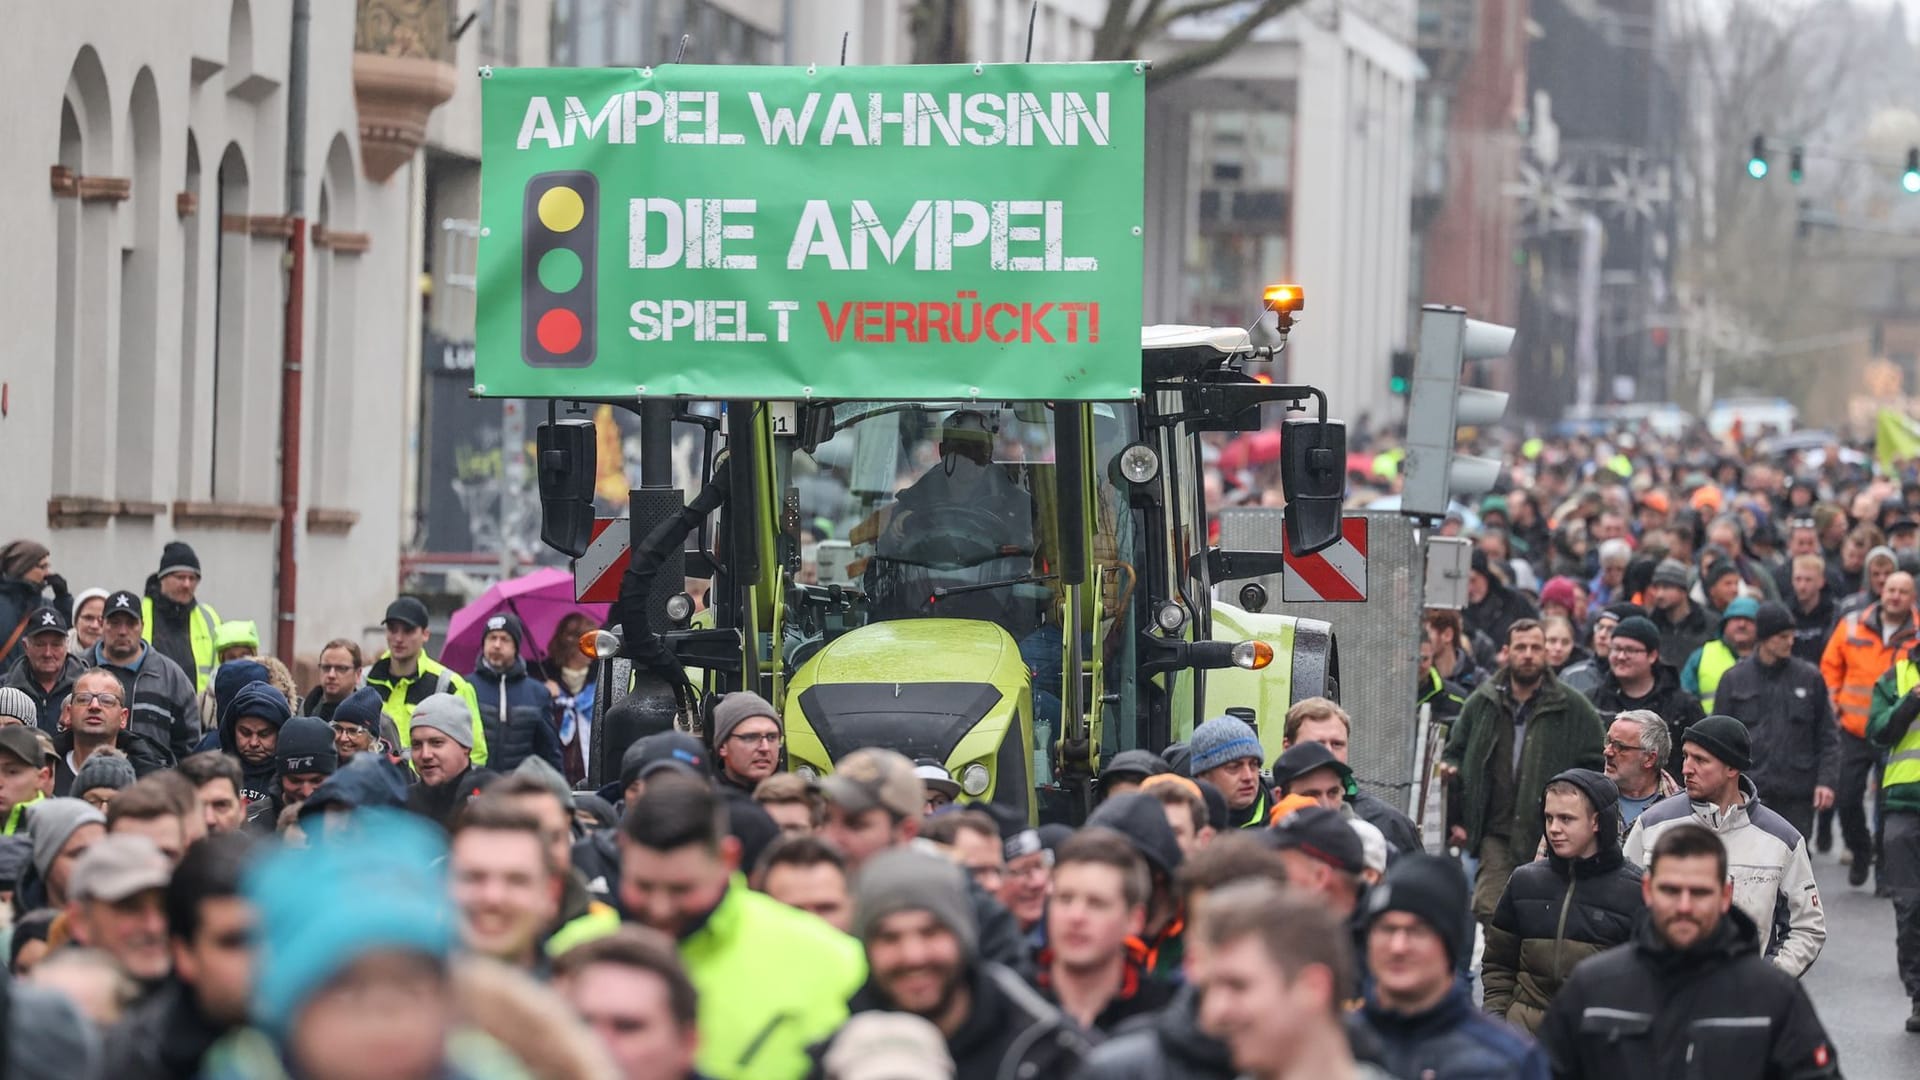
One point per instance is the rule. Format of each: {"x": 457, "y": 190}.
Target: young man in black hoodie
{"x": 1140, "y": 818}
{"x": 1582, "y": 899}
{"x": 250, "y": 731}
{"x": 1691, "y": 995}
{"x": 1094, "y": 965}
{"x": 912, "y": 913}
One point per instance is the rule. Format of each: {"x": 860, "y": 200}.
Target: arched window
{"x": 231, "y": 277}
{"x": 193, "y": 408}
{"x": 83, "y": 239}
{"x": 333, "y": 275}
{"x": 135, "y": 421}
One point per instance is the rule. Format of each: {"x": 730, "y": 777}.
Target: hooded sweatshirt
{"x": 1557, "y": 912}
{"x": 265, "y": 703}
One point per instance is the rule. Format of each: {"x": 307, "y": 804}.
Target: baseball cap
{"x": 22, "y": 743}
{"x": 119, "y": 866}
{"x": 409, "y": 610}
{"x": 888, "y": 1046}
{"x": 1323, "y": 834}
{"x": 1133, "y": 764}
{"x": 664, "y": 750}
{"x": 873, "y": 777}
{"x": 46, "y": 620}
{"x": 936, "y": 777}
{"x": 1304, "y": 757}
{"x": 123, "y": 603}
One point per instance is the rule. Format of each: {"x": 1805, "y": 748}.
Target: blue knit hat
{"x": 384, "y": 863}
{"x": 229, "y": 678}
{"x": 361, "y": 707}
{"x": 1221, "y": 740}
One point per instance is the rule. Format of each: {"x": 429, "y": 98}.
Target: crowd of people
{"x": 1670, "y": 675}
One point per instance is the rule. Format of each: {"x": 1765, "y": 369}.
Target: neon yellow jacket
{"x": 19, "y": 811}
{"x": 202, "y": 621}
{"x": 773, "y": 980}
{"x": 403, "y": 692}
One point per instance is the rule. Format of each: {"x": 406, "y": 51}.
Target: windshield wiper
{"x": 1025, "y": 579}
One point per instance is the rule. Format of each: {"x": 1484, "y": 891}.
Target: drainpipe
{"x": 293, "y": 342}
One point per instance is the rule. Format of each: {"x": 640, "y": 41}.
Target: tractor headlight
{"x": 974, "y": 779}
{"x": 1139, "y": 464}
{"x": 1170, "y": 617}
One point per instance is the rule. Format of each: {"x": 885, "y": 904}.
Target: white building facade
{"x": 144, "y": 204}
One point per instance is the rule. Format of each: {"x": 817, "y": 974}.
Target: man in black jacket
{"x": 912, "y": 913}
{"x": 1783, "y": 701}
{"x": 1580, "y": 900}
{"x": 100, "y": 725}
{"x": 45, "y": 670}
{"x": 1491, "y": 606}
{"x": 1813, "y": 607}
{"x": 1639, "y": 677}
{"x": 211, "y": 929}
{"x": 1691, "y": 995}
{"x": 442, "y": 737}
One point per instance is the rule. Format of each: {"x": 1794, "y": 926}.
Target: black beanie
{"x": 178, "y": 555}
{"x": 1725, "y": 738}
{"x": 510, "y": 624}
{"x": 1638, "y": 628}
{"x": 306, "y": 746}
{"x": 1433, "y": 889}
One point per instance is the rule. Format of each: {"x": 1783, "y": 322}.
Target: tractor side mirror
{"x": 567, "y": 467}
{"x": 1313, "y": 455}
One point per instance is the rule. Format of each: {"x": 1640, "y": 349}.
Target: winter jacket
{"x": 1891, "y": 721}
{"x": 1679, "y": 638}
{"x": 1666, "y": 700}
{"x": 403, "y": 692}
{"x": 1467, "y": 673}
{"x": 1397, "y": 827}
{"x": 1010, "y": 1030}
{"x": 183, "y": 633}
{"x": 1444, "y": 695}
{"x": 1583, "y": 677}
{"x": 1557, "y": 912}
{"x": 443, "y": 802}
{"x": 164, "y": 707}
{"x": 145, "y": 755}
{"x": 1767, "y": 860}
{"x": 1860, "y": 651}
{"x": 262, "y": 701}
{"x": 1647, "y": 1011}
{"x": 1811, "y": 628}
{"x": 1796, "y": 745}
{"x": 48, "y": 701}
{"x": 1140, "y": 994}
{"x": 164, "y": 1036}
{"x": 316, "y": 704}
{"x": 1166, "y": 1046}
{"x": 1452, "y": 1040}
{"x": 517, "y": 714}
{"x": 18, "y": 597}
{"x": 1496, "y": 611}
{"x": 1563, "y": 732}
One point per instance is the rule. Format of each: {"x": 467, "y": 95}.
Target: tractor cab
{"x": 1014, "y": 590}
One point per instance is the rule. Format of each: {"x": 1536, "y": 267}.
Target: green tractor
{"x": 1013, "y": 590}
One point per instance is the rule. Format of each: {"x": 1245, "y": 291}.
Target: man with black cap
{"x": 1519, "y": 728}
{"x": 1638, "y": 677}
{"x": 23, "y": 772}
{"x": 1140, "y": 818}
{"x": 1770, "y": 852}
{"x": 406, "y": 676}
{"x": 46, "y": 670}
{"x": 1783, "y": 701}
{"x": 95, "y": 719}
{"x": 1580, "y": 900}
{"x": 1310, "y": 770}
{"x": 516, "y": 711}
{"x": 161, "y": 695}
{"x": 1324, "y": 856}
{"x": 922, "y": 944}
{"x": 177, "y": 623}
{"x": 1322, "y": 720}
{"x": 1419, "y": 939}
{"x": 442, "y": 733}
{"x": 1682, "y": 626}
{"x": 596, "y": 856}
{"x": 1691, "y": 995}
{"x": 1128, "y": 770}
{"x": 304, "y": 757}
{"x": 746, "y": 741}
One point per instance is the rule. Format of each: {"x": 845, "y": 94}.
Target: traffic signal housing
{"x": 1757, "y": 158}
{"x": 1910, "y": 179}
{"x": 1438, "y": 405}
{"x": 1400, "y": 373}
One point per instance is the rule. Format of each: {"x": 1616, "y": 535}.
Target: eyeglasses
{"x": 1626, "y": 650}
{"x": 342, "y": 727}
{"x": 771, "y": 738}
{"x": 335, "y": 669}
{"x": 1619, "y": 747}
{"x": 109, "y": 700}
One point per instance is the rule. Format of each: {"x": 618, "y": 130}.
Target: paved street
{"x": 1854, "y": 984}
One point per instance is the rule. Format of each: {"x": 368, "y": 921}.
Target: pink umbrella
{"x": 541, "y": 599}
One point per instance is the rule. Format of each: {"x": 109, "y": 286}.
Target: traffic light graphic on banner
{"x": 561, "y": 221}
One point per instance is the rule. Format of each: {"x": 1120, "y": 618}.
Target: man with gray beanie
{"x": 442, "y": 740}
{"x": 1683, "y": 626}
{"x": 1226, "y": 753}
{"x": 746, "y": 741}
{"x": 912, "y": 914}
{"x": 1771, "y": 855}
{"x": 61, "y": 831}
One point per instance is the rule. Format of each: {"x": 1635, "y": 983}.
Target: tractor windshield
{"x": 931, "y": 510}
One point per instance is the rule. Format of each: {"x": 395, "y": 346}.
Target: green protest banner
{"x": 931, "y": 232}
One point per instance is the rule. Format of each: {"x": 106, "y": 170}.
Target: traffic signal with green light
{"x": 1910, "y": 179}
{"x": 561, "y": 223}
{"x": 1400, "y": 376}
{"x": 1757, "y": 159}
{"x": 1797, "y": 165}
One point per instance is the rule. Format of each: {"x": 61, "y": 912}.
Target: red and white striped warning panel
{"x": 596, "y": 575}
{"x": 1337, "y": 574}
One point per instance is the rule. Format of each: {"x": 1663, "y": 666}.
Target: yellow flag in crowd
{"x": 1896, "y": 439}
